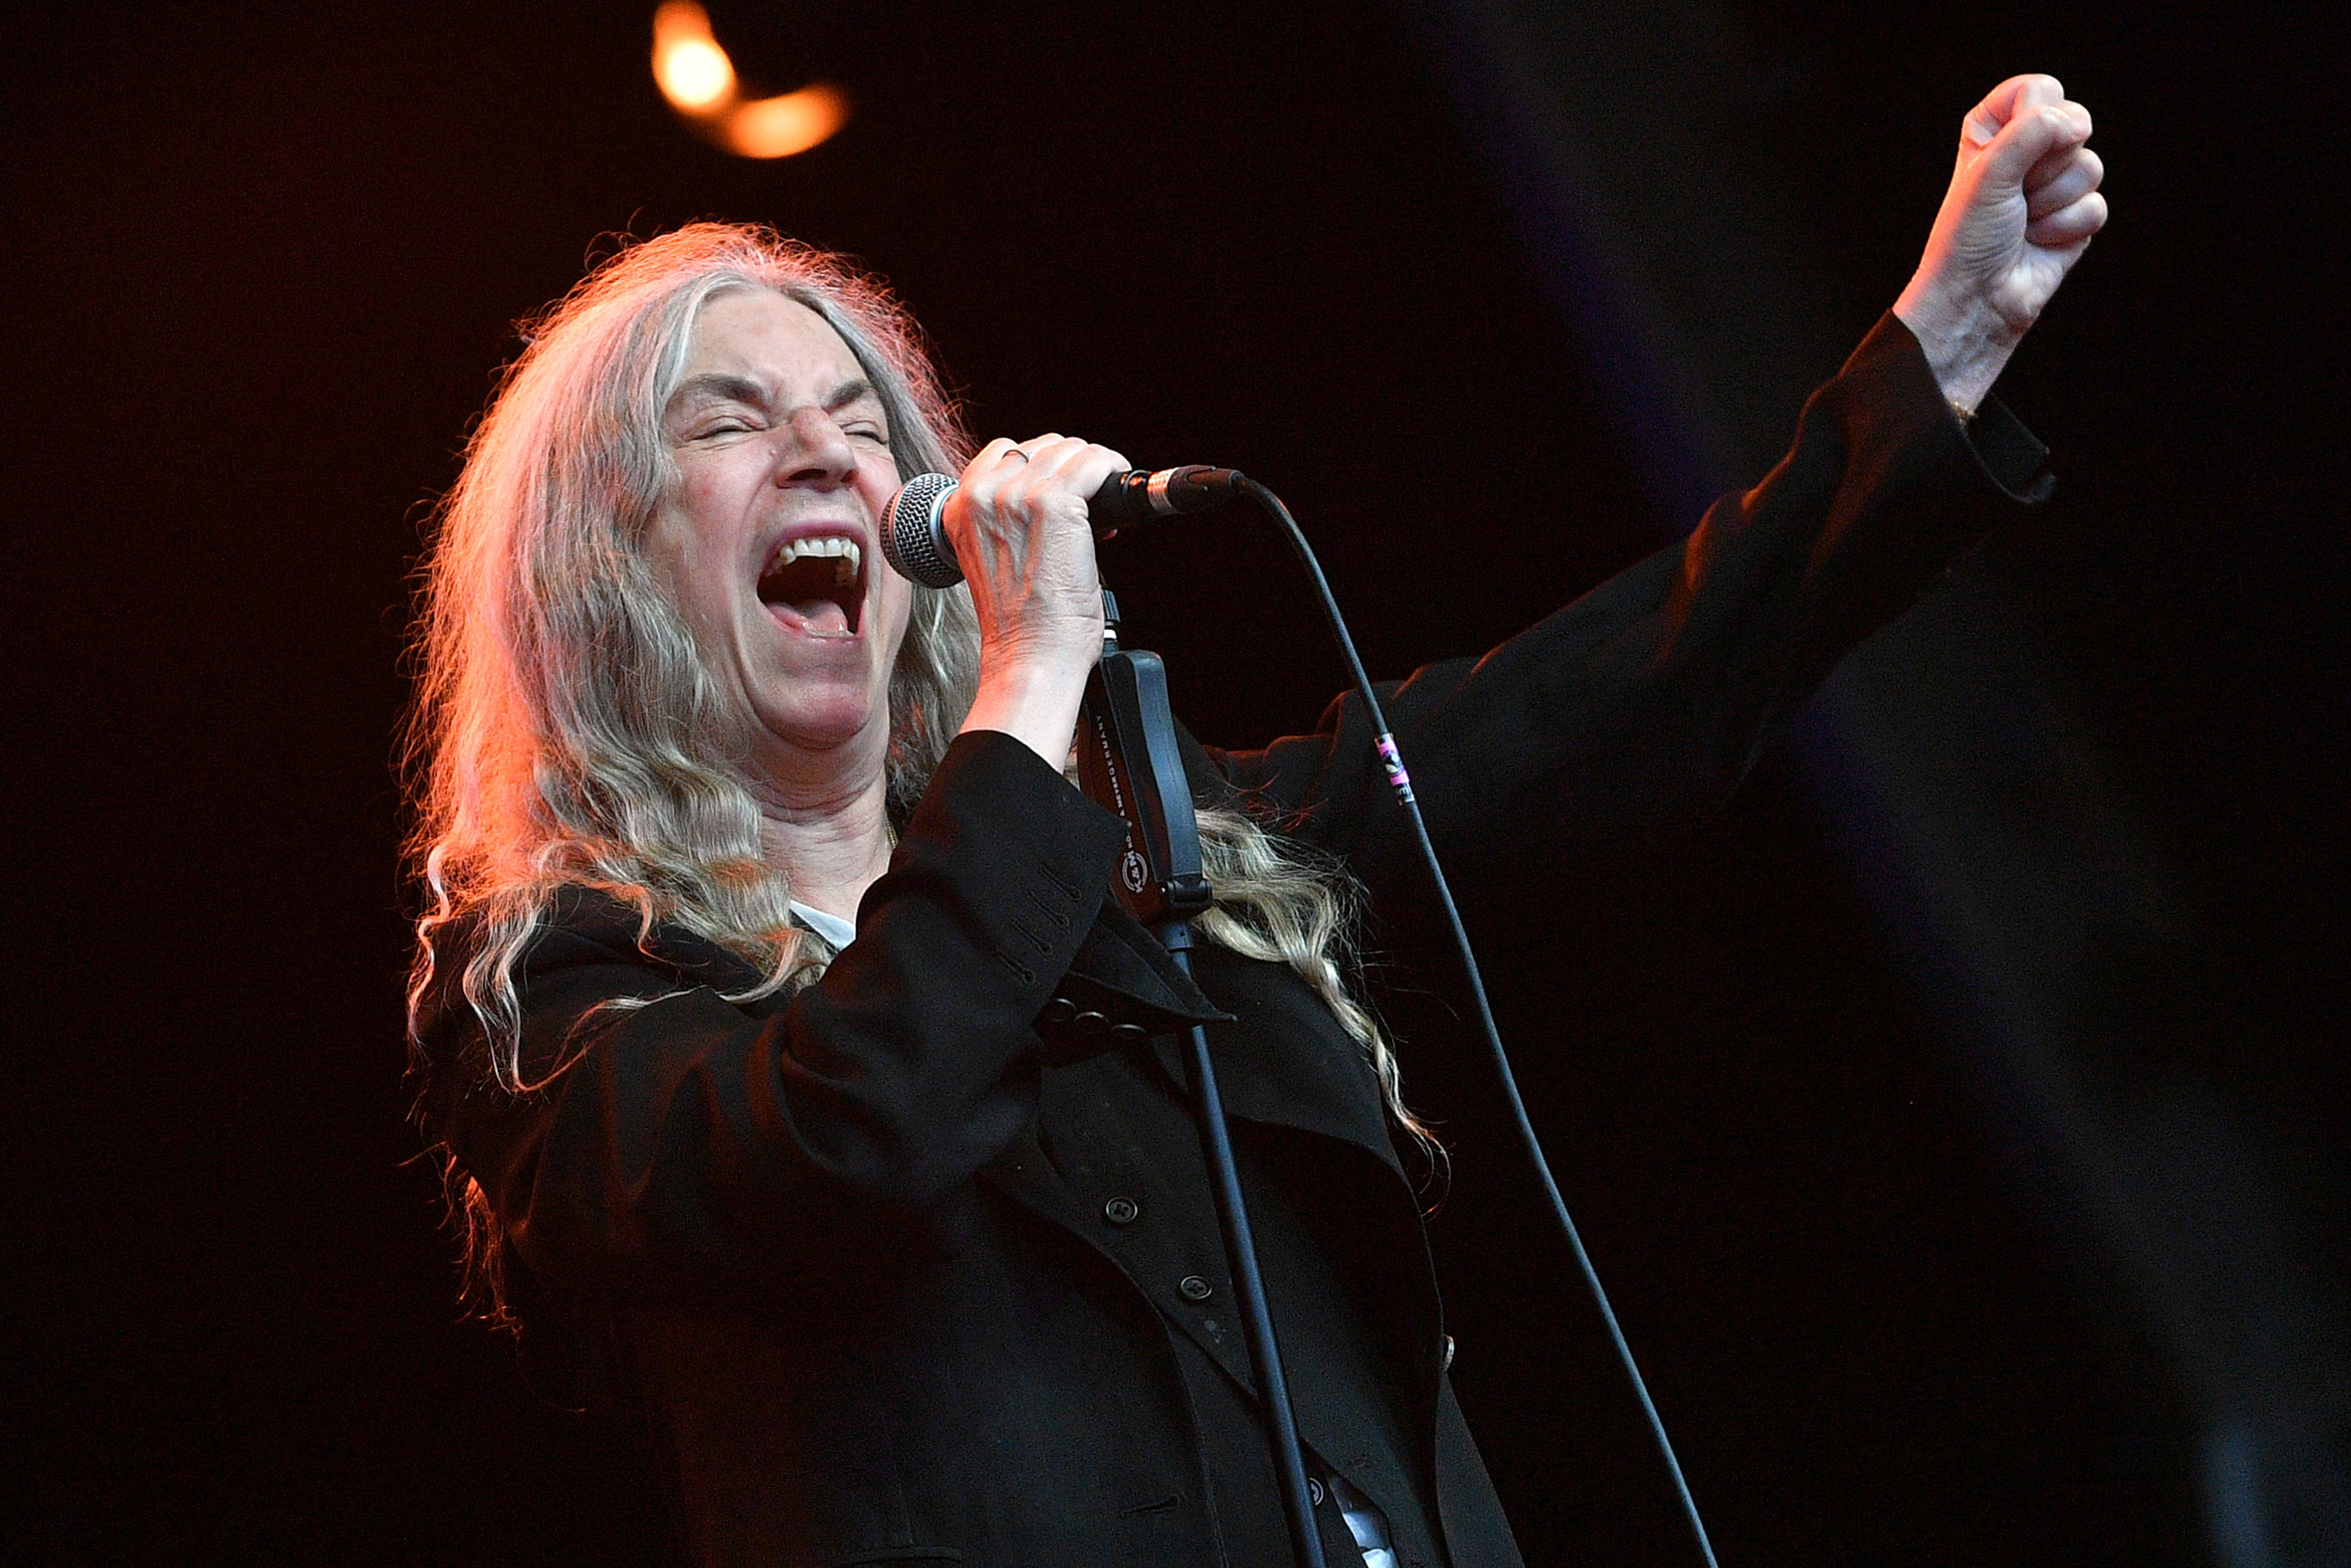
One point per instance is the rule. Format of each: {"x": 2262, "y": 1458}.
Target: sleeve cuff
{"x": 2010, "y": 455}
{"x": 1906, "y": 404}
{"x": 1027, "y": 856}
{"x": 1109, "y": 978}
{"x": 989, "y": 777}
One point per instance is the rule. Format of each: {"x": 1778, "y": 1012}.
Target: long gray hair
{"x": 566, "y": 732}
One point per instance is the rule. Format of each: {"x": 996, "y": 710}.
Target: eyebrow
{"x": 727, "y": 388}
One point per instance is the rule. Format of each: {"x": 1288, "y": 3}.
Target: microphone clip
{"x": 1128, "y": 762}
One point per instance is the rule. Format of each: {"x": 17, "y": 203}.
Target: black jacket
{"x": 905, "y": 1271}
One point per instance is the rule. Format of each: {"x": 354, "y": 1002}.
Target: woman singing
{"x": 794, "y": 1069}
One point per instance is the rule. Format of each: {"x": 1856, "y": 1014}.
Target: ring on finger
{"x": 1015, "y": 452}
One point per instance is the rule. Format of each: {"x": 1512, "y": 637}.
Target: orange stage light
{"x": 794, "y": 122}
{"x": 699, "y": 81}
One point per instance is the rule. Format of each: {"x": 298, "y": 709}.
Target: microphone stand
{"x": 1128, "y": 761}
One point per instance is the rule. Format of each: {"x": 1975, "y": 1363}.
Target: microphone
{"x": 915, "y": 542}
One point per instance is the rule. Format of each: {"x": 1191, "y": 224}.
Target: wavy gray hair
{"x": 566, "y": 731}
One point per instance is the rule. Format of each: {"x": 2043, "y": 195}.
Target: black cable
{"x": 1401, "y": 782}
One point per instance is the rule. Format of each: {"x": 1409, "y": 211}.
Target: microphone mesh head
{"x": 912, "y": 540}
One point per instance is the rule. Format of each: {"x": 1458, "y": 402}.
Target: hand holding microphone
{"x": 915, "y": 539}
{"x": 1015, "y": 529}
{"x": 1020, "y": 528}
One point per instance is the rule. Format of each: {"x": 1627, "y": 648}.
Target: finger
{"x": 2001, "y": 105}
{"x": 1047, "y": 450}
{"x": 2075, "y": 177}
{"x": 1029, "y": 448}
{"x": 1037, "y": 472}
{"x": 2050, "y": 166}
{"x": 1080, "y": 464}
{"x": 2071, "y": 224}
{"x": 2028, "y": 138}
{"x": 990, "y": 457}
{"x": 985, "y": 472}
{"x": 1050, "y": 452}
{"x": 1008, "y": 461}
{"x": 2067, "y": 165}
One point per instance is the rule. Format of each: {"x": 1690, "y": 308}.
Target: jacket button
{"x": 1315, "y": 1490}
{"x": 1447, "y": 1363}
{"x": 1089, "y": 1023}
{"x": 1121, "y": 1210}
{"x": 1194, "y": 1288}
{"x": 1129, "y": 1033}
{"x": 1057, "y": 1012}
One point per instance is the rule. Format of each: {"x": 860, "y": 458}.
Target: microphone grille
{"x": 913, "y": 540}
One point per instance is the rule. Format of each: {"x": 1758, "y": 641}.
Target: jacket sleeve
{"x": 693, "y": 1142}
{"x": 1641, "y": 705}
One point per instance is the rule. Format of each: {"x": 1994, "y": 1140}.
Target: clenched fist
{"x": 2023, "y": 205}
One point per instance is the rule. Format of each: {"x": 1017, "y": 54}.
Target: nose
{"x": 817, "y": 451}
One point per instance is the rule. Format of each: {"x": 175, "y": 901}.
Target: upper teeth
{"x": 817, "y": 545}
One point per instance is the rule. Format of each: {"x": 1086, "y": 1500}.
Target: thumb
{"x": 2026, "y": 140}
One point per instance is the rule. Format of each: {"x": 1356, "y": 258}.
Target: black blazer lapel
{"x": 1284, "y": 1059}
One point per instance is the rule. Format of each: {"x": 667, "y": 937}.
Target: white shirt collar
{"x": 840, "y": 933}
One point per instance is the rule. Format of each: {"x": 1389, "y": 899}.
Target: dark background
{"x": 266, "y": 264}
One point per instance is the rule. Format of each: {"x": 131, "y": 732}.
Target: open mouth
{"x": 816, "y": 584}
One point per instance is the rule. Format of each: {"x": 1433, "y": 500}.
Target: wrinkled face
{"x": 768, "y": 537}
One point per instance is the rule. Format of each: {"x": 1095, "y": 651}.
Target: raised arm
{"x": 1642, "y": 704}
{"x": 1639, "y": 708}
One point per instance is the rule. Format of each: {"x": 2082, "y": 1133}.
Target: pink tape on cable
{"x": 1392, "y": 760}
